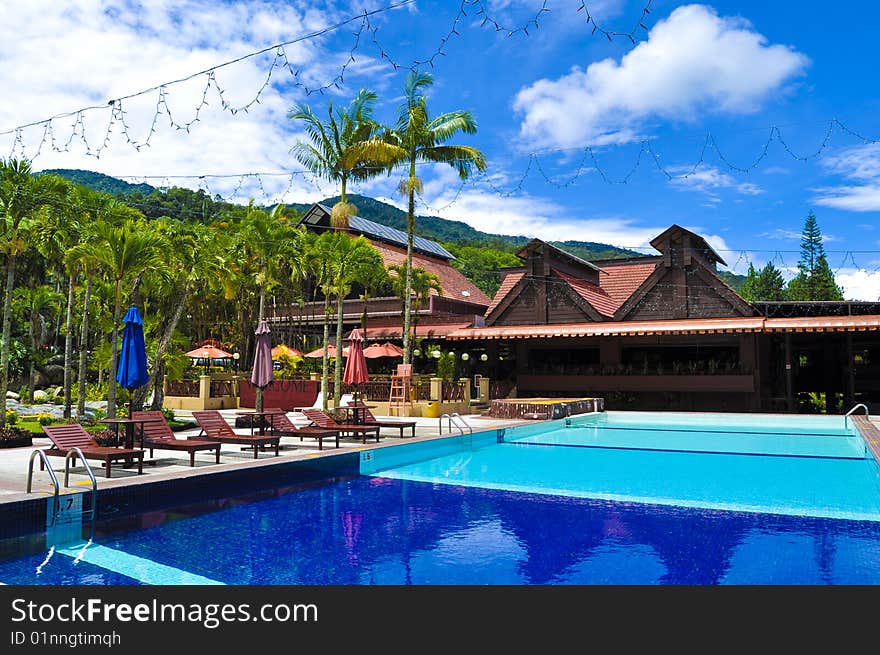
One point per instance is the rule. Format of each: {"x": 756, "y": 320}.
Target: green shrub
{"x": 45, "y": 419}
{"x": 168, "y": 413}
{"x": 11, "y": 417}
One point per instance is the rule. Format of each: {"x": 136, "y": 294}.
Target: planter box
{"x": 17, "y": 442}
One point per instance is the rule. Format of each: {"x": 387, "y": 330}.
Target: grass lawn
{"x": 36, "y": 428}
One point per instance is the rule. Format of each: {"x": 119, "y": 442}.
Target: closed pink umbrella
{"x": 262, "y": 375}
{"x": 356, "y": 364}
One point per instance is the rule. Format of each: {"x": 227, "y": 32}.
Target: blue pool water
{"x": 611, "y": 499}
{"x": 382, "y": 531}
{"x": 730, "y": 462}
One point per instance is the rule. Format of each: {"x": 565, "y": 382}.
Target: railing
{"x": 451, "y": 392}
{"x": 499, "y": 389}
{"x": 456, "y": 420}
{"x": 51, "y": 472}
{"x": 222, "y": 388}
{"x": 846, "y": 416}
{"x": 184, "y": 388}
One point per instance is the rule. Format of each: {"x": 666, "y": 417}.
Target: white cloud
{"x": 693, "y": 62}
{"x": 859, "y": 284}
{"x": 709, "y": 180}
{"x": 58, "y": 57}
{"x": 860, "y": 164}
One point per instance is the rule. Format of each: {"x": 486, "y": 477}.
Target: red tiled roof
{"x": 675, "y": 326}
{"x": 624, "y": 278}
{"x": 507, "y": 284}
{"x": 452, "y": 281}
{"x": 596, "y": 296}
{"x": 429, "y": 330}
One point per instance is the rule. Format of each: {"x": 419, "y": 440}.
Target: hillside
{"x": 458, "y": 232}
{"x": 457, "y": 236}
{"x": 101, "y": 182}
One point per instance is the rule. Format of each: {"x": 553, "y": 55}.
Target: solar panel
{"x": 392, "y": 235}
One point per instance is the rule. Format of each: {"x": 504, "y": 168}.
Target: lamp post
{"x": 207, "y": 355}
{"x": 235, "y": 358}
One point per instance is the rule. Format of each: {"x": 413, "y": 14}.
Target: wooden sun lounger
{"x": 369, "y": 419}
{"x": 217, "y": 429}
{"x": 327, "y": 422}
{"x": 281, "y": 425}
{"x": 158, "y": 434}
{"x": 73, "y": 435}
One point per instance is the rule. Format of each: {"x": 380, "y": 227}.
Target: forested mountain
{"x": 479, "y": 251}
{"x": 101, "y": 182}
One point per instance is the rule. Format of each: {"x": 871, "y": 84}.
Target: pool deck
{"x": 170, "y": 464}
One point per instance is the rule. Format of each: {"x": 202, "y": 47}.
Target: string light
{"x": 610, "y": 35}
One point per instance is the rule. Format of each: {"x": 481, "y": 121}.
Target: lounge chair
{"x": 158, "y": 434}
{"x": 369, "y": 419}
{"x": 327, "y": 422}
{"x": 73, "y": 435}
{"x": 283, "y": 426}
{"x": 216, "y": 428}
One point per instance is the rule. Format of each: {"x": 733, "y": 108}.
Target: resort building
{"x": 459, "y": 304}
{"x": 661, "y": 331}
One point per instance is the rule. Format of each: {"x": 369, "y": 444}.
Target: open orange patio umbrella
{"x": 208, "y": 354}
{"x": 382, "y": 350}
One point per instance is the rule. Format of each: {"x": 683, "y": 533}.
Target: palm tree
{"x": 36, "y": 306}
{"x": 422, "y": 284}
{"x": 319, "y": 255}
{"x": 353, "y": 259}
{"x": 21, "y": 196}
{"x": 124, "y": 252}
{"x": 337, "y": 151}
{"x": 58, "y": 231}
{"x": 416, "y": 137}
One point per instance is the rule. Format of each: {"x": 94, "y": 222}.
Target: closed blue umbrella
{"x": 132, "y": 370}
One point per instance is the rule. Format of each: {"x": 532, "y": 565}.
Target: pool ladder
{"x": 456, "y": 420}
{"x": 72, "y": 454}
{"x": 846, "y": 416}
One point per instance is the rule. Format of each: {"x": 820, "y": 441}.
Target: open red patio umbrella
{"x": 386, "y": 349}
{"x": 356, "y": 365}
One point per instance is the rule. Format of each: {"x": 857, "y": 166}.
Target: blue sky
{"x": 735, "y": 70}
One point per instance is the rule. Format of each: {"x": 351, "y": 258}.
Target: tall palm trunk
{"x": 325, "y": 370}
{"x": 114, "y": 356}
{"x": 83, "y": 348}
{"x": 32, "y": 369}
{"x": 68, "y": 347}
{"x": 337, "y": 388}
{"x": 410, "y": 231}
{"x": 7, "y": 333}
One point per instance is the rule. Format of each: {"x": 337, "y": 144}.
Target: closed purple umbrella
{"x": 261, "y": 376}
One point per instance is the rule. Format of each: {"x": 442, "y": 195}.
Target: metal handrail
{"x": 52, "y": 475}
{"x": 71, "y": 454}
{"x": 456, "y": 415}
{"x": 846, "y": 416}
{"x": 448, "y": 416}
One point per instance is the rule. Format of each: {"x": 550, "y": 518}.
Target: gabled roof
{"x": 625, "y": 276}
{"x": 507, "y": 284}
{"x": 319, "y": 214}
{"x": 597, "y": 297}
{"x": 454, "y": 284}
{"x": 697, "y": 242}
{"x": 534, "y": 243}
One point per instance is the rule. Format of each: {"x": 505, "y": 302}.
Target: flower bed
{"x": 11, "y": 437}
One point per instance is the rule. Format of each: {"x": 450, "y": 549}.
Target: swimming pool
{"x": 542, "y": 504}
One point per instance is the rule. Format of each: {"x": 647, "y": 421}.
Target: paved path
{"x": 173, "y": 463}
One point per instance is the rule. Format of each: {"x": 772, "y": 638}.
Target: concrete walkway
{"x": 173, "y": 463}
